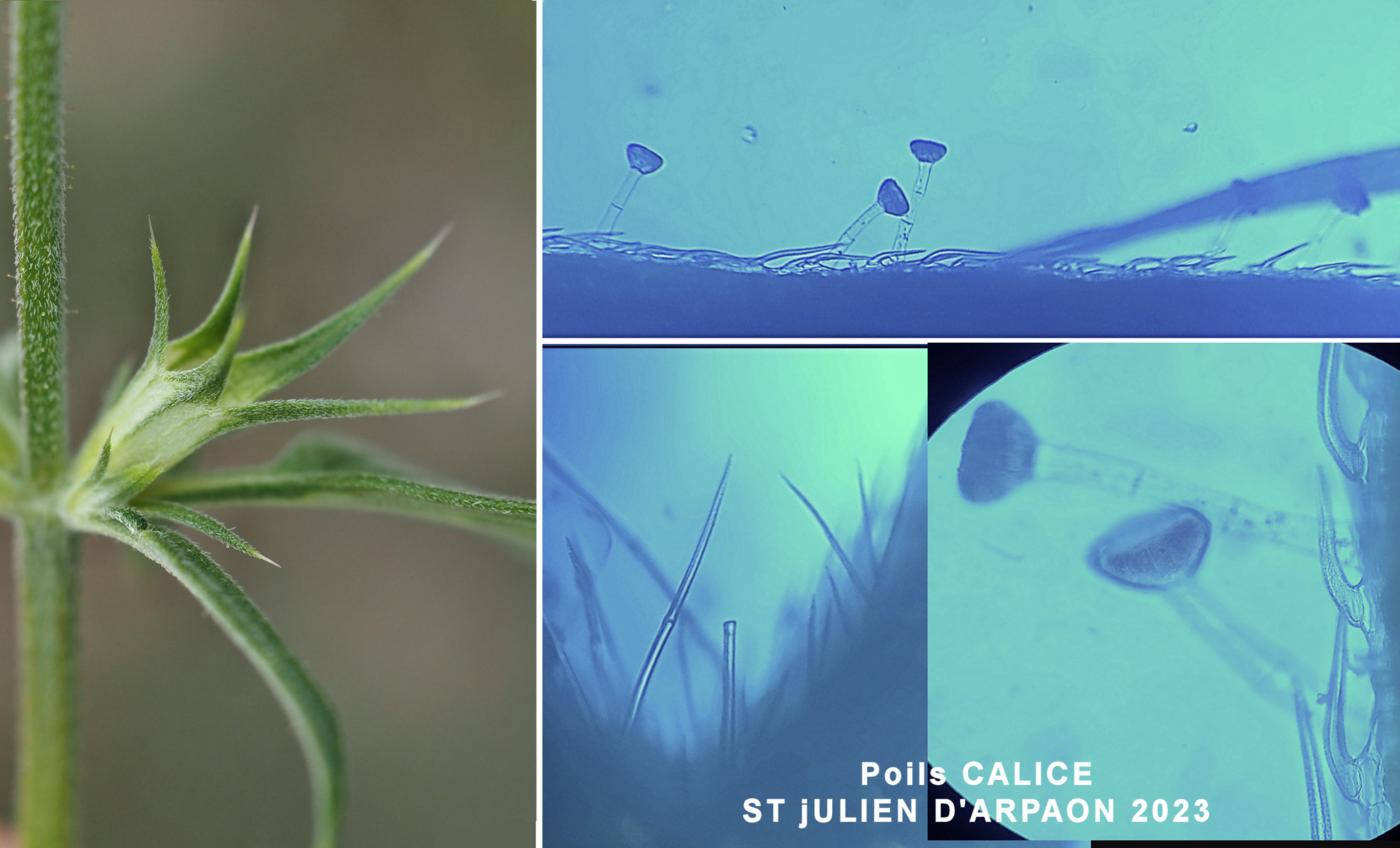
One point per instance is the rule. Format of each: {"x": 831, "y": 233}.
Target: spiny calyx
{"x": 191, "y": 390}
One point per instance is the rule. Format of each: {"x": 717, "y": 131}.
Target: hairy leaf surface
{"x": 307, "y": 709}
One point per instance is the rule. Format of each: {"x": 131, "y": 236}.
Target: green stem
{"x": 46, "y": 557}
{"x": 36, "y": 169}
{"x": 48, "y": 599}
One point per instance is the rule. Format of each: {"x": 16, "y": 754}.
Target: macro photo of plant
{"x": 267, "y": 455}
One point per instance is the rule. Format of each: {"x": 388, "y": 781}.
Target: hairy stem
{"x": 48, "y": 618}
{"x": 36, "y": 172}
{"x": 45, "y": 562}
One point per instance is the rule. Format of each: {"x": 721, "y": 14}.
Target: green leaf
{"x": 104, "y": 459}
{"x": 136, "y": 401}
{"x": 206, "y": 524}
{"x": 160, "y": 328}
{"x": 266, "y": 369}
{"x": 325, "y": 452}
{"x": 205, "y": 382}
{"x": 116, "y": 384}
{"x": 310, "y": 714}
{"x": 279, "y": 411}
{"x": 201, "y": 342}
{"x": 275, "y": 485}
{"x": 159, "y": 420}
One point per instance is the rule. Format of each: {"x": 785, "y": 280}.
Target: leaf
{"x": 134, "y": 401}
{"x": 200, "y": 343}
{"x": 311, "y": 716}
{"x": 206, "y": 524}
{"x": 116, "y": 384}
{"x": 324, "y": 452}
{"x": 160, "y": 328}
{"x": 161, "y": 419}
{"x": 205, "y": 382}
{"x": 508, "y": 518}
{"x": 103, "y": 460}
{"x": 159, "y": 412}
{"x": 280, "y": 411}
{"x": 266, "y": 369}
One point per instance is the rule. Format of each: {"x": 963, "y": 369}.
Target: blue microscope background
{"x": 1054, "y": 661}
{"x": 635, "y": 441}
{"x": 778, "y": 119}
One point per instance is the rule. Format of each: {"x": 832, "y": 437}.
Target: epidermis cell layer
{"x": 970, "y": 169}
{"x": 1168, "y": 560}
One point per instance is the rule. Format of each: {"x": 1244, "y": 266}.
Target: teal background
{"x": 1059, "y": 114}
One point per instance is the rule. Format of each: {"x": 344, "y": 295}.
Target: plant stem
{"x": 37, "y": 173}
{"x": 48, "y": 618}
{"x": 46, "y": 565}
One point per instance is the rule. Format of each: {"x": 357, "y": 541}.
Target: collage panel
{"x": 733, "y": 565}
{"x": 1012, "y": 168}
{"x": 267, "y": 449}
{"x": 1167, "y": 562}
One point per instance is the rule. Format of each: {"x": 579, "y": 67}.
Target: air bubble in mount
{"x": 889, "y": 200}
{"x": 928, "y": 153}
{"x": 641, "y": 160}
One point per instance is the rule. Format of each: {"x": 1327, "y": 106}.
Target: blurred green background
{"x": 359, "y": 128}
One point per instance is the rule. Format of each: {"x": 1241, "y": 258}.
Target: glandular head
{"x": 891, "y": 198}
{"x": 643, "y": 159}
{"x": 998, "y": 453}
{"x": 1153, "y": 550}
{"x": 1350, "y": 197}
{"x": 927, "y": 151}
